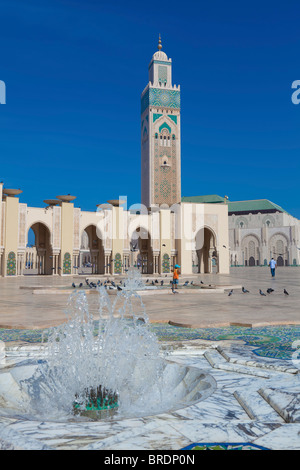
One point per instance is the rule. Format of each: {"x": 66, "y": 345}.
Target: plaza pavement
{"x": 20, "y": 308}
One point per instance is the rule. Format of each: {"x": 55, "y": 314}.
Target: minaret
{"x": 160, "y": 134}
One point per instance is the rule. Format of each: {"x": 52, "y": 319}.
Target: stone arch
{"x": 251, "y": 248}
{"x": 38, "y": 258}
{"x": 268, "y": 218}
{"x": 141, "y": 250}
{"x": 92, "y": 258}
{"x": 140, "y": 223}
{"x": 241, "y": 220}
{"x": 279, "y": 248}
{"x": 206, "y": 249}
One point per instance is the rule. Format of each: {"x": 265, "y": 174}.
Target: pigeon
{"x": 186, "y": 283}
{"x": 147, "y": 281}
{"x": 156, "y": 281}
{"x": 73, "y": 285}
{"x": 161, "y": 283}
{"x": 192, "y": 283}
{"x": 270, "y": 290}
{"x": 201, "y": 282}
{"x": 230, "y": 293}
{"x": 245, "y": 290}
{"x": 87, "y": 282}
{"x": 112, "y": 283}
{"x": 80, "y": 285}
{"x": 261, "y": 292}
{"x": 153, "y": 283}
{"x": 119, "y": 288}
{"x": 286, "y": 293}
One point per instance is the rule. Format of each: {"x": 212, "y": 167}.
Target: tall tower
{"x": 160, "y": 134}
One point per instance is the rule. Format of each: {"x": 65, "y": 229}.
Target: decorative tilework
{"x": 11, "y": 264}
{"x": 118, "y": 263}
{"x": 162, "y": 62}
{"x": 162, "y": 73}
{"x": 165, "y": 188}
{"x": 224, "y": 446}
{"x": 174, "y": 118}
{"x": 281, "y": 348}
{"x": 67, "y": 265}
{"x": 161, "y": 98}
{"x": 166, "y": 263}
{"x": 165, "y": 126}
{"x": 156, "y": 116}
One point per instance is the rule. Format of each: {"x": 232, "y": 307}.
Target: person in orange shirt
{"x": 175, "y": 278}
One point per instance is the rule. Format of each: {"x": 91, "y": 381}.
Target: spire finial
{"x": 159, "y": 44}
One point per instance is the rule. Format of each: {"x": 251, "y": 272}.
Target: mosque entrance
{"x": 91, "y": 252}
{"x": 251, "y": 261}
{"x": 141, "y": 251}
{"x": 38, "y": 254}
{"x": 280, "y": 261}
{"x": 206, "y": 251}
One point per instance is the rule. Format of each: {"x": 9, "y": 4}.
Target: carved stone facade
{"x": 257, "y": 235}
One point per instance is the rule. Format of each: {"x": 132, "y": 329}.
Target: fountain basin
{"x": 182, "y": 386}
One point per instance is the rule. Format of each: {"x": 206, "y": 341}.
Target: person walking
{"x": 272, "y": 265}
{"x": 175, "y": 278}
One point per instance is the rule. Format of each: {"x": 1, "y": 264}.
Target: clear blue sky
{"x": 75, "y": 70}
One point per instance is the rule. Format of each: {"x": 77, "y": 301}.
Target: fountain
{"x": 109, "y": 367}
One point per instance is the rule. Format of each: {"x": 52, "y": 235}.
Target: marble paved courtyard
{"x": 247, "y": 343}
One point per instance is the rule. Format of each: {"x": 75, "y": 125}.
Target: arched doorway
{"x": 141, "y": 251}
{"x": 280, "y": 261}
{"x": 251, "y": 261}
{"x": 206, "y": 251}
{"x": 38, "y": 255}
{"x": 92, "y": 258}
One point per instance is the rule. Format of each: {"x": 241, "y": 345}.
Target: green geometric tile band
{"x": 160, "y": 98}
{"x": 11, "y": 264}
{"x": 274, "y": 342}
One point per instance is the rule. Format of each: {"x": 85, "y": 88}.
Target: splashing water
{"x": 117, "y": 353}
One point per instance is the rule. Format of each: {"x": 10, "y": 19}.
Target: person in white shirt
{"x": 272, "y": 265}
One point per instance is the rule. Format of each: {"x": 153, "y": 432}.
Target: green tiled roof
{"x": 210, "y": 199}
{"x": 255, "y": 205}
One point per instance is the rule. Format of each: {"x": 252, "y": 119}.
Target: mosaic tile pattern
{"x": 118, "y": 263}
{"x": 271, "y": 341}
{"x": 166, "y": 263}
{"x": 11, "y": 264}
{"x": 224, "y": 446}
{"x": 67, "y": 266}
{"x": 160, "y": 98}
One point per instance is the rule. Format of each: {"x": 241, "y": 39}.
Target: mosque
{"x": 202, "y": 234}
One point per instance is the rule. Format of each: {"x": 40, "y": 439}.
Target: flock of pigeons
{"x": 269, "y": 291}
{"x": 112, "y": 285}
{"x": 94, "y": 285}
